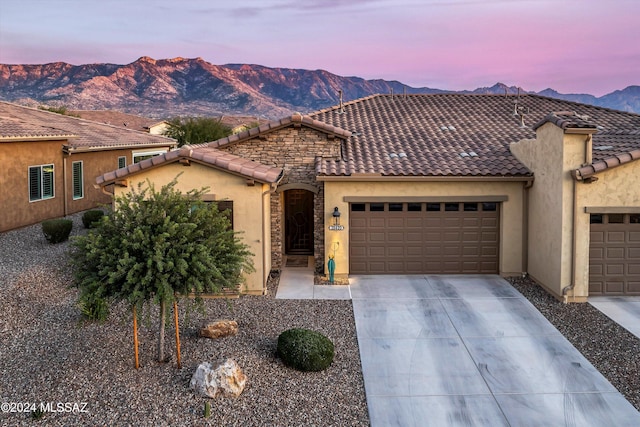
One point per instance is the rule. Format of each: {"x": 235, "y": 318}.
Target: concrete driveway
{"x": 472, "y": 351}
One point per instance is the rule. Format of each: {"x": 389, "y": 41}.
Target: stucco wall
{"x": 511, "y": 218}
{"x": 615, "y": 188}
{"x": 248, "y": 207}
{"x": 552, "y": 207}
{"x": 546, "y": 221}
{"x": 16, "y": 158}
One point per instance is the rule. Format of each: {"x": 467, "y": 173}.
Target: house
{"x": 124, "y": 120}
{"x": 431, "y": 184}
{"x": 51, "y": 162}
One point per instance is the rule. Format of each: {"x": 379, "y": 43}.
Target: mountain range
{"x": 179, "y": 86}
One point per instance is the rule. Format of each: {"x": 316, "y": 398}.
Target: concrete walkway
{"x": 472, "y": 351}
{"x": 623, "y": 310}
{"x": 297, "y": 283}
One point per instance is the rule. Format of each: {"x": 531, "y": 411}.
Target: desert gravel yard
{"x": 48, "y": 354}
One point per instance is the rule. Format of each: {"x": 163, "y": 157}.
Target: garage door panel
{"x": 420, "y": 242}
{"x": 397, "y": 251}
{"x": 396, "y": 223}
{"x": 596, "y": 236}
{"x": 633, "y": 269}
{"x": 615, "y": 237}
{"x": 633, "y": 287}
{"x": 634, "y": 236}
{"x": 615, "y": 253}
{"x": 414, "y": 250}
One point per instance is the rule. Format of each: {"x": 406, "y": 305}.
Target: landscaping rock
{"x": 224, "y": 378}
{"x": 219, "y": 329}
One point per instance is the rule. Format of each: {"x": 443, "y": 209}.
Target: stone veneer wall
{"x": 294, "y": 149}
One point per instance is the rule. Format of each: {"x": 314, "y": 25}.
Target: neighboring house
{"x": 432, "y": 184}
{"x": 124, "y": 120}
{"x": 50, "y": 162}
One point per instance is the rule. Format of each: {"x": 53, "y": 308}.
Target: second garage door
{"x": 614, "y": 254}
{"x": 431, "y": 238}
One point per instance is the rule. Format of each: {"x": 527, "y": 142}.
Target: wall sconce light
{"x": 335, "y": 224}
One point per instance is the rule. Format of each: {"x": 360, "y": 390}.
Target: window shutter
{"x": 122, "y": 162}
{"x": 34, "y": 183}
{"x": 78, "y": 182}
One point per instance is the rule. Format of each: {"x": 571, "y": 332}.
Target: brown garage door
{"x": 415, "y": 238}
{"x": 614, "y": 254}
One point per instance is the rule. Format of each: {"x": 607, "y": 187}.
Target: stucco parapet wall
{"x": 202, "y": 154}
{"x": 294, "y": 120}
{"x": 588, "y": 171}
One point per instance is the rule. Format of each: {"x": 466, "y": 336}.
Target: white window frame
{"x": 73, "y": 180}
{"x": 41, "y": 195}
{"x": 147, "y": 154}
{"x": 123, "y": 160}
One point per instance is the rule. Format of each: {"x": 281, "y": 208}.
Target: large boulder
{"x": 219, "y": 329}
{"x": 222, "y": 378}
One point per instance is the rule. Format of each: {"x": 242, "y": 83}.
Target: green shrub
{"x": 89, "y": 218}
{"x": 305, "y": 350}
{"x": 57, "y": 230}
{"x": 94, "y": 309}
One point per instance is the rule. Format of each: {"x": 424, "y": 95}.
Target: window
{"x": 78, "y": 180}
{"x": 41, "y": 182}
{"x": 395, "y": 207}
{"x": 489, "y": 207}
{"x": 616, "y": 218}
{"x": 357, "y": 207}
{"x": 414, "y": 207}
{"x": 634, "y": 219}
{"x": 433, "y": 207}
{"x": 451, "y": 207}
{"x": 144, "y": 155}
{"x": 376, "y": 207}
{"x": 226, "y": 206}
{"x": 470, "y": 207}
{"x": 122, "y": 162}
{"x": 596, "y": 219}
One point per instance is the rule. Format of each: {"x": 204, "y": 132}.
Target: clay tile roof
{"x": 88, "y": 135}
{"x": 205, "y": 155}
{"x": 295, "y": 119}
{"x": 457, "y": 134}
{"x": 117, "y": 118}
{"x": 12, "y": 129}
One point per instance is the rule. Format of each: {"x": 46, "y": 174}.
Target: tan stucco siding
{"x": 248, "y": 209}
{"x": 615, "y": 188}
{"x": 16, "y": 158}
{"x": 547, "y": 221}
{"x": 511, "y": 213}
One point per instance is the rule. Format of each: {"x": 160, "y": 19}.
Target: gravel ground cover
{"x": 613, "y": 350}
{"x": 49, "y": 354}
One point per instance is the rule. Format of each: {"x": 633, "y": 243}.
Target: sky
{"x": 572, "y": 46}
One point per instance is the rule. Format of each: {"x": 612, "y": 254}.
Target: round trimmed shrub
{"x": 89, "y": 218}
{"x": 305, "y": 350}
{"x": 57, "y": 230}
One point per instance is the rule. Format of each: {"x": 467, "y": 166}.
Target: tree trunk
{"x": 163, "y": 318}
{"x": 175, "y": 319}
{"x": 135, "y": 336}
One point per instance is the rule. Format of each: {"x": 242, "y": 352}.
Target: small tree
{"x": 157, "y": 246}
{"x": 196, "y": 130}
